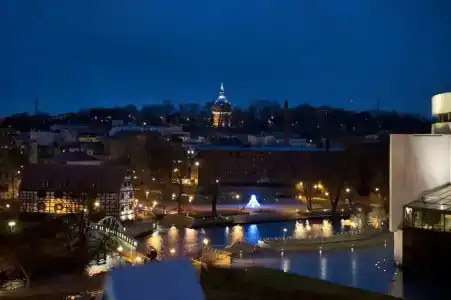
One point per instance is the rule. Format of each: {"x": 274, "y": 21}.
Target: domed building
{"x": 222, "y": 110}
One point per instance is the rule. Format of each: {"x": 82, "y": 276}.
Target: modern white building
{"x": 441, "y": 109}
{"x": 420, "y": 194}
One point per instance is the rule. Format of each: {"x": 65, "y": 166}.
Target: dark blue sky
{"x": 83, "y": 53}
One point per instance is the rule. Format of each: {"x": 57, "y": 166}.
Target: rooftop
{"x": 438, "y": 199}
{"x": 262, "y": 148}
{"x": 74, "y": 178}
{"x": 73, "y": 156}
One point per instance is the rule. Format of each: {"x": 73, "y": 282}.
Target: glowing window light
{"x": 253, "y": 203}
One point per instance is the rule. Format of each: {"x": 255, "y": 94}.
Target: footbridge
{"x": 111, "y": 226}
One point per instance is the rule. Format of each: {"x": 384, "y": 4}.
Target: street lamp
{"x": 237, "y": 197}
{"x": 196, "y": 163}
{"x": 376, "y": 189}
{"x": 120, "y": 249}
{"x": 147, "y": 194}
{"x": 172, "y": 251}
{"x": 284, "y": 234}
{"x": 348, "y": 190}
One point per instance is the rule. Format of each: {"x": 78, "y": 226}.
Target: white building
{"x": 441, "y": 109}
{"x": 420, "y": 192}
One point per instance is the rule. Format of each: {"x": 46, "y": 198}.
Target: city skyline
{"x": 348, "y": 55}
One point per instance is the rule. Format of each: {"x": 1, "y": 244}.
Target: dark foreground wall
{"x": 426, "y": 253}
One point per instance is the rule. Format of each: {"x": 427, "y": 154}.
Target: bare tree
{"x": 341, "y": 173}
{"x": 308, "y": 192}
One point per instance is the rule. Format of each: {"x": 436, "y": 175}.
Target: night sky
{"x": 85, "y": 53}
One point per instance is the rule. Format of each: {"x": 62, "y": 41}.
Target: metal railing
{"x": 312, "y": 239}
{"x": 117, "y": 233}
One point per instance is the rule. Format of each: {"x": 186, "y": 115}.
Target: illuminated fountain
{"x": 307, "y": 226}
{"x": 299, "y": 231}
{"x": 253, "y": 203}
{"x": 327, "y": 229}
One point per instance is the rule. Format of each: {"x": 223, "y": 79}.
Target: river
{"x": 371, "y": 269}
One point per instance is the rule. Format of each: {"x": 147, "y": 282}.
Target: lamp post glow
{"x": 204, "y": 244}
{"x": 284, "y": 234}
{"x": 237, "y": 197}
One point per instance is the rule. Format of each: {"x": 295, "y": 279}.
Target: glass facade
{"x": 420, "y": 214}
{"x": 431, "y": 212}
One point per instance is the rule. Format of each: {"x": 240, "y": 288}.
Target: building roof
{"x": 438, "y": 199}
{"x": 103, "y": 178}
{"x": 166, "y": 280}
{"x": 263, "y": 148}
{"x": 73, "y": 156}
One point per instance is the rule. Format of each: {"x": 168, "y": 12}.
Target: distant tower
{"x": 286, "y": 117}
{"x": 221, "y": 110}
{"x": 36, "y": 105}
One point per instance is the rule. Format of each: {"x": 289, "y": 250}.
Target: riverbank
{"x": 263, "y": 283}
{"x": 381, "y": 239}
{"x": 245, "y": 284}
{"x": 258, "y": 218}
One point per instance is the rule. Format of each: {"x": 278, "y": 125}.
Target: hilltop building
{"x": 221, "y": 110}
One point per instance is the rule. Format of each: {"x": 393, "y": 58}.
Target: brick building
{"x": 272, "y": 172}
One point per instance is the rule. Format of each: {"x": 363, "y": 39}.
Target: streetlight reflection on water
{"x": 188, "y": 241}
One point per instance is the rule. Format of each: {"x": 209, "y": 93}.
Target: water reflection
{"x": 237, "y": 235}
{"x": 369, "y": 269}
{"x": 285, "y": 265}
{"x": 354, "y": 268}
{"x": 187, "y": 241}
{"x": 323, "y": 267}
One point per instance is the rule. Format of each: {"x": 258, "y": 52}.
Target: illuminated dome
{"x": 221, "y": 110}
{"x": 222, "y": 104}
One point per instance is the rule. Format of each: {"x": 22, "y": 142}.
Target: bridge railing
{"x": 117, "y": 233}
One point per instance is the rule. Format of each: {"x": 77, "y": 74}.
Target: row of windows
{"x": 427, "y": 219}
{"x": 63, "y": 195}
